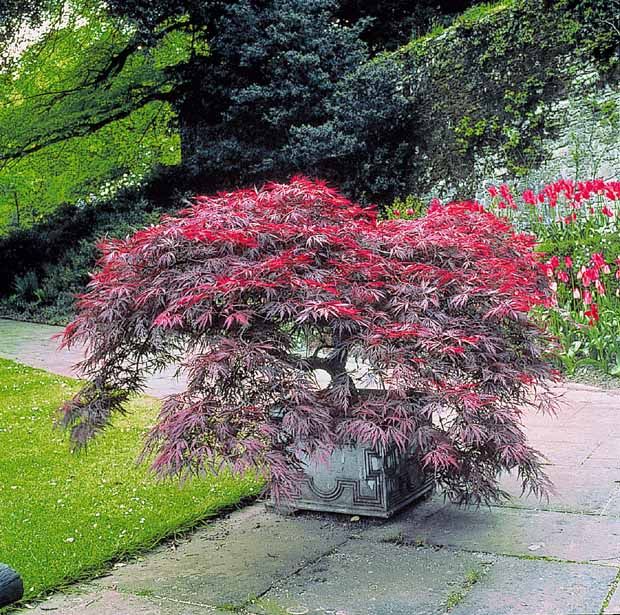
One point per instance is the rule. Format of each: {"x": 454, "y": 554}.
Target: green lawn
{"x": 64, "y": 516}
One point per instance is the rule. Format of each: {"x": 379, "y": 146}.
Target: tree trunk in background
{"x": 190, "y": 130}
{"x": 194, "y": 107}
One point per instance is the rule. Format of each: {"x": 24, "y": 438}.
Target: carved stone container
{"x": 11, "y": 586}
{"x": 358, "y": 480}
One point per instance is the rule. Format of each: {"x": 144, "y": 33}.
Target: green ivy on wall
{"x": 489, "y": 80}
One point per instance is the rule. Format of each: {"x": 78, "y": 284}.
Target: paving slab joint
{"x": 521, "y": 556}
{"x": 562, "y": 511}
{"x": 473, "y": 577}
{"x": 589, "y": 455}
{"x": 613, "y": 588}
{"x": 242, "y": 608}
{"x": 152, "y": 595}
{"x": 208, "y": 608}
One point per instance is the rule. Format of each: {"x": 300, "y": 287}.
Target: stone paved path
{"x": 560, "y": 557}
{"x": 36, "y": 345}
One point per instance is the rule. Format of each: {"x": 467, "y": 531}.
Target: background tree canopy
{"x": 111, "y": 111}
{"x": 93, "y": 92}
{"x": 78, "y": 112}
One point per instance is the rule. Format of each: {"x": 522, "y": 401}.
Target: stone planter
{"x": 11, "y": 586}
{"x": 358, "y": 480}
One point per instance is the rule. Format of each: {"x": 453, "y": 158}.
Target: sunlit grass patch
{"x": 63, "y": 516}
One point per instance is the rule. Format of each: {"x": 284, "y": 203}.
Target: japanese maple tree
{"x": 252, "y": 291}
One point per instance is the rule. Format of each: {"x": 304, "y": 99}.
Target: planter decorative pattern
{"x": 362, "y": 481}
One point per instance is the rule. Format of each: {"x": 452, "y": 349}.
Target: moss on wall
{"x": 487, "y": 85}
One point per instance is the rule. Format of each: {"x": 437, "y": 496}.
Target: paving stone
{"x": 35, "y": 345}
{"x": 514, "y": 586}
{"x": 588, "y": 488}
{"x": 609, "y": 448}
{"x": 602, "y": 462}
{"x": 362, "y": 578}
{"x": 567, "y": 410}
{"x": 591, "y": 395}
{"x": 578, "y": 421}
{"x": 602, "y": 428}
{"x": 233, "y": 560}
{"x": 509, "y": 531}
{"x": 576, "y": 432}
{"x": 565, "y": 452}
{"x": 110, "y": 602}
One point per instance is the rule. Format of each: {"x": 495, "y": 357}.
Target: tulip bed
{"x": 577, "y": 227}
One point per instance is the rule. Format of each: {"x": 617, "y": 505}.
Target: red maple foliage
{"x": 253, "y": 290}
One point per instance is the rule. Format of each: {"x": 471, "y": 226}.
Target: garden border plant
{"x": 255, "y": 289}
{"x": 576, "y": 224}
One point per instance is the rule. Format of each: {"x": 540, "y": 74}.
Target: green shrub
{"x": 46, "y": 265}
{"x": 406, "y": 209}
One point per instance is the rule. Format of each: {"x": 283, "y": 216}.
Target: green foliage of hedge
{"x": 47, "y": 264}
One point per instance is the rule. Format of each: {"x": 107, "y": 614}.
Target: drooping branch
{"x": 113, "y": 79}
{"x": 85, "y": 126}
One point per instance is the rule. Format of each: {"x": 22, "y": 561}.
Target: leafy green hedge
{"x": 45, "y": 265}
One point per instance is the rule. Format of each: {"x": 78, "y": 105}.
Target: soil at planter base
{"x": 362, "y": 481}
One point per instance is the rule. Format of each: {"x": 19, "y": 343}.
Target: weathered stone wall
{"x": 517, "y": 92}
{"x": 585, "y": 143}
{"x": 588, "y": 142}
